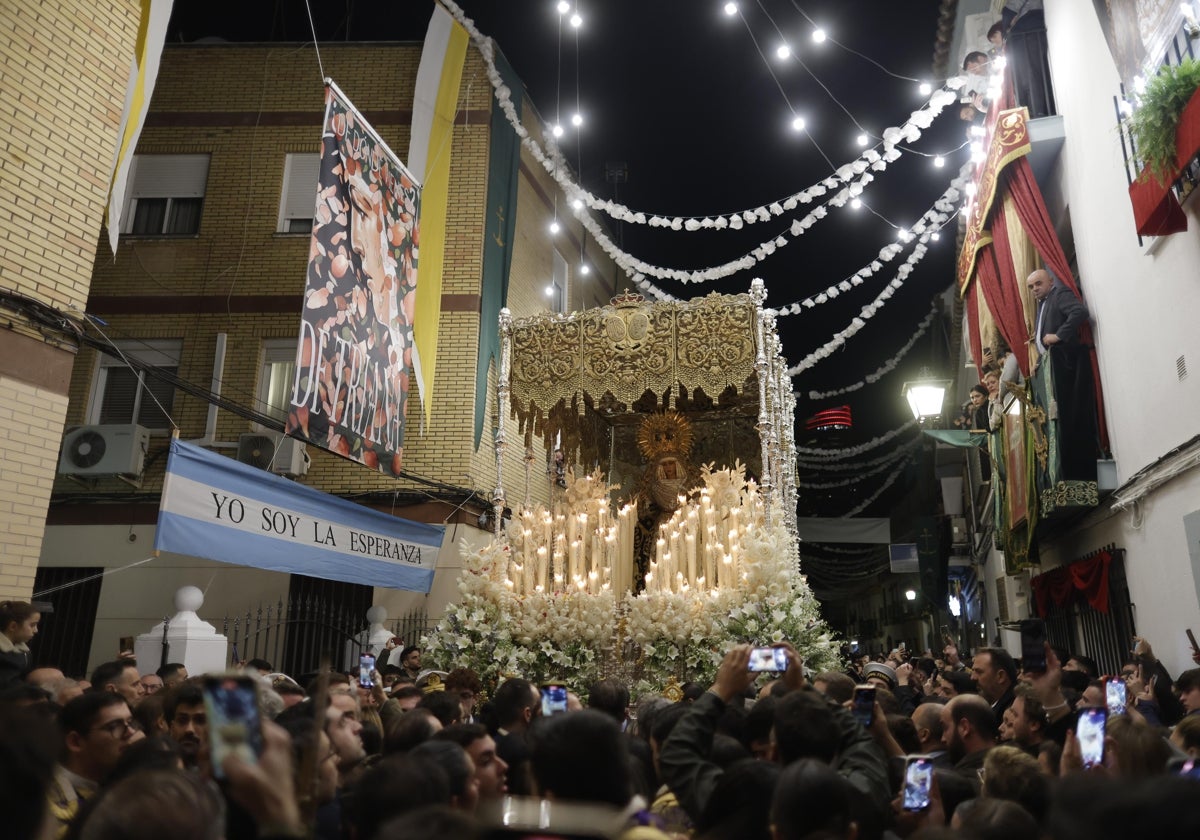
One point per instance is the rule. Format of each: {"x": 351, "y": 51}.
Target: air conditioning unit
{"x": 273, "y": 451}
{"x": 104, "y": 450}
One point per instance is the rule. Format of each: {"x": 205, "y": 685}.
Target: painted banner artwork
{"x": 218, "y": 508}
{"x": 354, "y": 355}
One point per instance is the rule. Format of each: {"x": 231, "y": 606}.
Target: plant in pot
{"x": 1154, "y": 122}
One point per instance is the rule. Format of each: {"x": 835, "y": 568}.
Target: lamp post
{"x": 926, "y": 395}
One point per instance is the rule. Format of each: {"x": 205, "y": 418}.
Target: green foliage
{"x": 1154, "y": 122}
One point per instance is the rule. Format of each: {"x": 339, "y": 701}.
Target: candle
{"x": 690, "y": 543}
{"x": 541, "y": 568}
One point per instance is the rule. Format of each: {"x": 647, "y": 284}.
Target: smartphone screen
{"x": 1114, "y": 693}
{"x": 768, "y": 659}
{"x": 234, "y": 724}
{"x": 554, "y": 699}
{"x": 1090, "y": 732}
{"x": 863, "y": 705}
{"x": 366, "y": 665}
{"x": 1033, "y": 645}
{"x": 918, "y": 776}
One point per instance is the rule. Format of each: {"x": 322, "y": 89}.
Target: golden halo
{"x": 665, "y": 433}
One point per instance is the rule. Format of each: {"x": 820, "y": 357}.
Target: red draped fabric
{"x": 973, "y": 331}
{"x": 997, "y": 280}
{"x": 1035, "y": 221}
{"x": 1058, "y": 587}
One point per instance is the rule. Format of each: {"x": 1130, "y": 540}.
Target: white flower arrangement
{"x": 647, "y": 639}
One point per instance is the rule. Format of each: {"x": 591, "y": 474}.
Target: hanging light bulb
{"x": 783, "y": 51}
{"x": 939, "y": 161}
{"x": 925, "y": 88}
{"x": 902, "y": 234}
{"x": 550, "y": 291}
{"x": 855, "y": 203}
{"x": 863, "y": 139}
{"x": 970, "y": 190}
{"x": 555, "y": 227}
{"x": 577, "y": 203}
{"x": 577, "y": 119}
{"x": 935, "y": 236}
{"x": 556, "y": 130}
{"x": 584, "y": 268}
{"x": 731, "y": 9}
{"x": 576, "y": 20}
{"x": 798, "y": 124}
{"x": 819, "y": 35}
{"x": 563, "y": 7}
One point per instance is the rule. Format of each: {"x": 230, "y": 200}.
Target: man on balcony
{"x": 1025, "y": 47}
{"x": 1060, "y": 315}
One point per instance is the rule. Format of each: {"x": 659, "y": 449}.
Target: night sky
{"x": 678, "y": 92}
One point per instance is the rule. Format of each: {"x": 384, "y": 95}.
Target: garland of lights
{"x": 888, "y": 482}
{"x": 852, "y": 451}
{"x": 850, "y": 188}
{"x": 854, "y": 479}
{"x": 889, "y": 458}
{"x": 884, "y": 369}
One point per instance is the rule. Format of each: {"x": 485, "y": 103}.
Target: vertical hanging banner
{"x": 504, "y": 161}
{"x": 143, "y": 72}
{"x": 435, "y": 105}
{"x": 350, "y": 394}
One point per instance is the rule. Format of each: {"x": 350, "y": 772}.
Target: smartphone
{"x": 234, "y": 721}
{"x": 1115, "y": 697}
{"x": 1187, "y": 767}
{"x": 554, "y": 699}
{"x": 1033, "y": 645}
{"x": 863, "y": 705}
{"x": 918, "y": 777}
{"x": 768, "y": 659}
{"x": 1192, "y": 640}
{"x": 366, "y": 666}
{"x": 1090, "y": 733}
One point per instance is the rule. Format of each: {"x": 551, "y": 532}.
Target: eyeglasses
{"x": 117, "y": 728}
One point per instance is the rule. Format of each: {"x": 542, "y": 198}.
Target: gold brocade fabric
{"x": 609, "y": 357}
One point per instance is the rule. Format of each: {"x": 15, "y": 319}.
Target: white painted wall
{"x": 1143, "y": 307}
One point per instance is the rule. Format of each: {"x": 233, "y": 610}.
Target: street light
{"x": 926, "y": 395}
{"x": 910, "y": 594}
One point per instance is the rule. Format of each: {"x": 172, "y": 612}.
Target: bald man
{"x": 969, "y": 730}
{"x": 1060, "y": 317}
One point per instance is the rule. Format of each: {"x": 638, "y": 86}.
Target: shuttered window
{"x": 299, "y": 194}
{"x": 166, "y": 195}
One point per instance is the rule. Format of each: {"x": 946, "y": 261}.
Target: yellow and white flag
{"x": 143, "y": 72}
{"x": 435, "y": 103}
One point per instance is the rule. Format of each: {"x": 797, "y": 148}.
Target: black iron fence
{"x": 1104, "y": 636}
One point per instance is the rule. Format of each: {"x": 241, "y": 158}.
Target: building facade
{"x": 208, "y": 284}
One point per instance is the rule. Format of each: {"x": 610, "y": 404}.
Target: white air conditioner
{"x": 104, "y": 450}
{"x": 273, "y": 451}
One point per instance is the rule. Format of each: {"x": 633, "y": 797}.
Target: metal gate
{"x": 64, "y": 639}
{"x": 1104, "y": 636}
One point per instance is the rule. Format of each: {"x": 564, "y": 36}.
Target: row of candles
{"x": 585, "y": 548}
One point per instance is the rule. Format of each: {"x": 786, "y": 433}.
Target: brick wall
{"x": 62, "y": 84}
{"x": 247, "y": 106}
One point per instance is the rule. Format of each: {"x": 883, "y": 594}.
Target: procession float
{"x": 669, "y": 529}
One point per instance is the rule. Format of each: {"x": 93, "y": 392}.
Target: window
{"x": 298, "y": 200}
{"x": 557, "y": 290}
{"x": 166, "y": 194}
{"x": 275, "y": 380}
{"x": 124, "y": 394}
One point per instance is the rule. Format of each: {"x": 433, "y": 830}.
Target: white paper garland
{"x": 842, "y": 466}
{"x": 884, "y": 369}
{"x": 888, "y": 482}
{"x": 848, "y": 181}
{"x": 842, "y": 453}
{"x": 854, "y": 479}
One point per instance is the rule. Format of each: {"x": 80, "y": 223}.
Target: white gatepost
{"x": 190, "y": 640}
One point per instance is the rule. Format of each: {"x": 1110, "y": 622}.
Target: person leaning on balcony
{"x": 1060, "y": 313}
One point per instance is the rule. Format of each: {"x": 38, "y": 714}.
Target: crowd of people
{"x": 417, "y": 753}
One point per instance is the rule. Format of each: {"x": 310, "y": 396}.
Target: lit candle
{"x": 690, "y": 543}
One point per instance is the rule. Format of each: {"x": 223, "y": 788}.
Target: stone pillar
{"x": 66, "y": 63}
{"x": 192, "y": 641}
